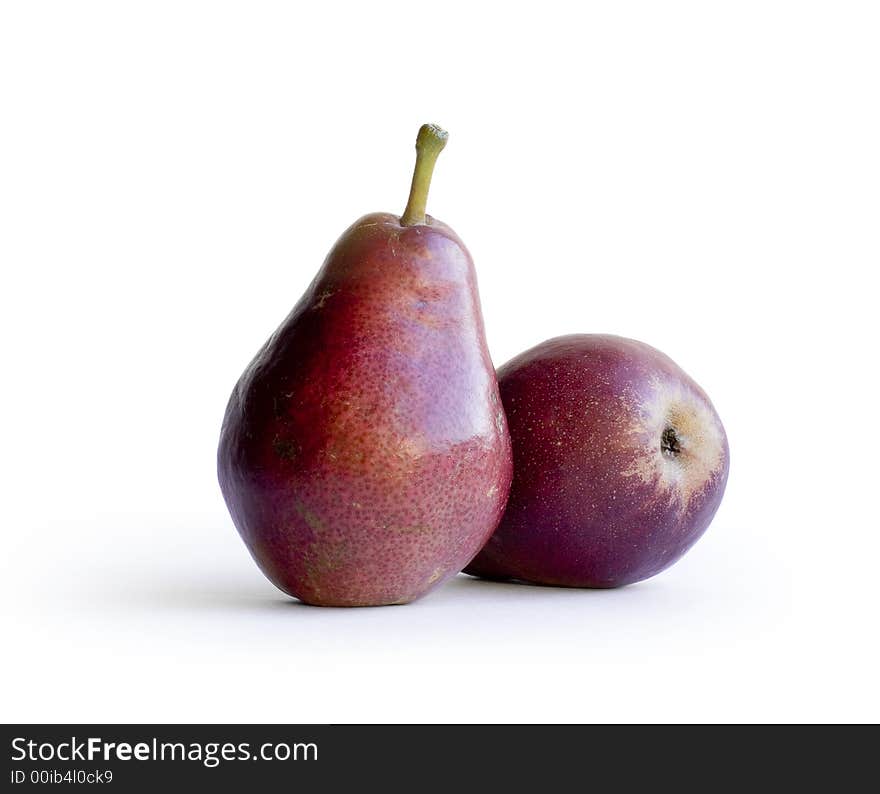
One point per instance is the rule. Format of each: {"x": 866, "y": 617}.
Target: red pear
{"x": 620, "y": 464}
{"x": 364, "y": 455}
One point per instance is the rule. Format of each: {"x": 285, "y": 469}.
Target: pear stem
{"x": 429, "y": 144}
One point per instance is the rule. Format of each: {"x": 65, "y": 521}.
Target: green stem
{"x": 429, "y": 144}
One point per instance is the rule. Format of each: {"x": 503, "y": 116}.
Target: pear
{"x": 621, "y": 463}
{"x": 364, "y": 454}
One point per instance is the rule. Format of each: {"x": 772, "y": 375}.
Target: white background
{"x": 701, "y": 176}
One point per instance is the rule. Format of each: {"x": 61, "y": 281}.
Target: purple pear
{"x": 620, "y": 462}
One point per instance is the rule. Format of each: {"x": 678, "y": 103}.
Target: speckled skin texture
{"x": 364, "y": 455}
{"x": 620, "y": 462}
